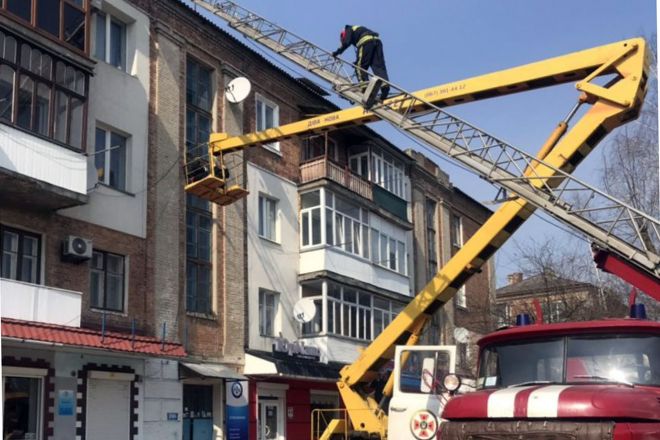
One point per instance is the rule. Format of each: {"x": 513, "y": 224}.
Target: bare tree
{"x": 630, "y": 160}
{"x": 629, "y": 172}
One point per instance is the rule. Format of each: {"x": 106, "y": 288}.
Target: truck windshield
{"x": 633, "y": 359}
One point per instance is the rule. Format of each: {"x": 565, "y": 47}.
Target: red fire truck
{"x": 575, "y": 380}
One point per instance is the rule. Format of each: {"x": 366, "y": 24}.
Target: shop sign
{"x": 237, "y": 409}
{"x": 65, "y": 403}
{"x": 296, "y": 349}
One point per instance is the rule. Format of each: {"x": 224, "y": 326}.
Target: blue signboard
{"x": 65, "y": 404}
{"x": 237, "y": 410}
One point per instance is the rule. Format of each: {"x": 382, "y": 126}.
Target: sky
{"x": 432, "y": 42}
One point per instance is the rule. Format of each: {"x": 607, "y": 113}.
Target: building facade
{"x": 82, "y": 355}
{"x": 444, "y": 219}
{"x": 561, "y": 299}
{"x": 132, "y": 309}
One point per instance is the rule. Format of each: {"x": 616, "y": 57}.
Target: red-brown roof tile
{"x": 82, "y": 337}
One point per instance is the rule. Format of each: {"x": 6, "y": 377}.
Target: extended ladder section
{"x": 608, "y": 222}
{"x": 527, "y": 182}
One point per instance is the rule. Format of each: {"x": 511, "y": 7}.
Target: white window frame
{"x": 107, "y": 154}
{"x": 338, "y": 309}
{"x": 268, "y": 227}
{"x": 306, "y": 215}
{"x": 461, "y": 297}
{"x": 456, "y": 232}
{"x": 357, "y": 244}
{"x": 273, "y": 146}
{"x": 263, "y": 312}
{"x": 383, "y": 248}
{"x": 388, "y": 173}
{"x": 28, "y": 373}
{"x": 109, "y": 18}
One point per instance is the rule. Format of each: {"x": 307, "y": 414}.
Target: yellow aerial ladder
{"x": 527, "y": 182}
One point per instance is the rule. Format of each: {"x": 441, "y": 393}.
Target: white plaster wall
{"x": 327, "y": 258}
{"x": 67, "y": 364}
{"x": 163, "y": 393}
{"x": 272, "y": 265}
{"x": 119, "y": 100}
{"x": 32, "y": 302}
{"x": 39, "y": 159}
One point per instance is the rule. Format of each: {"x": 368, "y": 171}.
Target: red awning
{"x": 86, "y": 338}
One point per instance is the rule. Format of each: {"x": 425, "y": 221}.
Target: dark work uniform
{"x": 369, "y": 53}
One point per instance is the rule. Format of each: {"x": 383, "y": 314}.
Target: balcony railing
{"x": 325, "y": 169}
{"x": 33, "y": 302}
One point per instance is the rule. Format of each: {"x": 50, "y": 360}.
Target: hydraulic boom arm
{"x": 540, "y": 182}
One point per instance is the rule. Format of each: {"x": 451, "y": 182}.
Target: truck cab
{"x": 420, "y": 393}
{"x": 577, "y": 380}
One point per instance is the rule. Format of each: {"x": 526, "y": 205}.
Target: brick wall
{"x": 53, "y": 229}
{"x": 176, "y": 33}
{"x": 429, "y": 181}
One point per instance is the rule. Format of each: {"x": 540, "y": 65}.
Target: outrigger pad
{"x": 371, "y": 94}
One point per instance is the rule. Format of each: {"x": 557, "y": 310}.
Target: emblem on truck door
{"x": 423, "y": 425}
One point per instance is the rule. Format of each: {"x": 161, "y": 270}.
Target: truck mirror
{"x": 426, "y": 381}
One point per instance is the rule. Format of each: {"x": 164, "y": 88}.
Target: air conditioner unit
{"x": 76, "y": 249}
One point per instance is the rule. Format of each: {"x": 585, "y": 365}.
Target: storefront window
{"x": 22, "y": 404}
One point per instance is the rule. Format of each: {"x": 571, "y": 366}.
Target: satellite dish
{"x": 462, "y": 335}
{"x": 238, "y": 89}
{"x": 304, "y": 310}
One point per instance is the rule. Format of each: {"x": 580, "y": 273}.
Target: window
{"x": 350, "y": 312}
{"x": 431, "y": 240}
{"x": 198, "y": 255}
{"x": 456, "y": 231}
{"x": 423, "y": 371}
{"x": 310, "y": 218}
{"x": 461, "y": 298}
{"x": 268, "y": 116}
{"x": 553, "y": 311}
{"x": 332, "y": 220}
{"x": 388, "y": 252}
{"x": 346, "y": 225}
{"x": 110, "y": 158}
{"x": 22, "y": 404}
{"x": 110, "y": 40}
{"x": 198, "y": 212}
{"x": 387, "y": 172}
{"x": 107, "y": 284}
{"x": 199, "y": 101}
{"x": 359, "y": 164}
{"x": 40, "y": 93}
{"x": 268, "y": 304}
{"x": 319, "y": 146}
{"x": 267, "y": 217}
{"x": 21, "y": 255}
{"x": 62, "y": 19}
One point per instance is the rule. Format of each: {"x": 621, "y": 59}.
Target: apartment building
{"x": 328, "y": 217}
{"x": 82, "y": 356}
{"x": 444, "y": 219}
{"x": 134, "y": 310}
